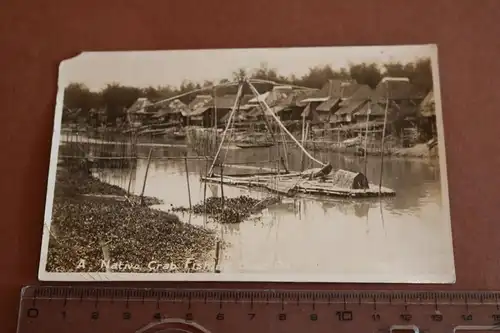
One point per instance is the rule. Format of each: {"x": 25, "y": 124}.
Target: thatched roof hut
{"x": 139, "y": 106}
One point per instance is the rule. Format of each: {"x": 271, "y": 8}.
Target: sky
{"x": 161, "y": 68}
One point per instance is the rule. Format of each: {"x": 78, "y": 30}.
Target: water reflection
{"x": 329, "y": 236}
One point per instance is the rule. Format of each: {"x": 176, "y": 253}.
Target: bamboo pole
{"x": 268, "y": 125}
{"x": 217, "y": 255}
{"x": 215, "y": 117}
{"x": 230, "y": 118}
{"x": 366, "y": 136}
{"x": 283, "y": 126}
{"x": 306, "y": 138}
{"x": 193, "y": 91}
{"x": 133, "y": 157}
{"x": 205, "y": 193}
{"x": 187, "y": 182}
{"x": 383, "y": 139}
{"x": 130, "y": 179}
{"x": 285, "y": 151}
{"x": 222, "y": 185}
{"x": 146, "y": 176}
{"x": 303, "y": 140}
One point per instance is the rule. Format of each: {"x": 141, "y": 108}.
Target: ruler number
{"x": 251, "y": 316}
{"x": 282, "y": 316}
{"x": 313, "y": 317}
{"x": 405, "y": 316}
{"x": 157, "y": 316}
{"x": 496, "y": 318}
{"x": 467, "y": 317}
{"x": 189, "y": 316}
{"x": 437, "y": 317}
{"x": 94, "y": 315}
{"x": 220, "y": 316}
{"x": 344, "y": 315}
{"x": 126, "y": 315}
{"x": 375, "y": 317}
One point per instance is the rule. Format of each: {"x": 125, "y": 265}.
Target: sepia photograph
{"x": 317, "y": 164}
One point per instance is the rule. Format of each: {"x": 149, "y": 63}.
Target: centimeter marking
{"x": 97, "y": 294}
{"x": 374, "y": 311}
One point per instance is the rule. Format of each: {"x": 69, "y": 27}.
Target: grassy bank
{"x": 117, "y": 235}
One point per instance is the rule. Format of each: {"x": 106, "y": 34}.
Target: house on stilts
{"x": 320, "y": 181}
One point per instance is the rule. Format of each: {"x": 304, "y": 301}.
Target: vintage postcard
{"x": 320, "y": 164}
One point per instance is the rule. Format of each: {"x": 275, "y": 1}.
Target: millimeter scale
{"x": 124, "y": 310}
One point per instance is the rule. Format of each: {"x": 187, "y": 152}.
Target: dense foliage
{"x": 115, "y": 98}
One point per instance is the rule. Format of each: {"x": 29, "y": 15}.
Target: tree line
{"x": 116, "y": 98}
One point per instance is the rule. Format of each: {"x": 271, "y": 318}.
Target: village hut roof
{"x": 257, "y": 110}
{"x": 376, "y": 109}
{"x": 226, "y": 101}
{"x": 139, "y": 105}
{"x": 294, "y": 98}
{"x": 397, "y": 90}
{"x": 336, "y": 88}
{"x": 349, "y": 92}
{"x": 198, "y": 101}
{"x": 351, "y": 106}
{"x": 199, "y": 111}
{"x": 262, "y": 97}
{"x": 363, "y": 92}
{"x": 199, "y": 105}
{"x": 223, "y": 102}
{"x": 272, "y": 97}
{"x": 172, "y": 107}
{"x": 428, "y": 107}
{"x": 340, "y": 90}
{"x": 328, "y": 105}
{"x": 203, "y": 103}
{"x": 407, "y": 109}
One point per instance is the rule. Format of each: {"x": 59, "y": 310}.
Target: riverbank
{"x": 88, "y": 234}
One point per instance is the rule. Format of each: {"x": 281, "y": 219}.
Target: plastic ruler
{"x": 122, "y": 310}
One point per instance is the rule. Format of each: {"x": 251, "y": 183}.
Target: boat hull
{"x": 252, "y": 145}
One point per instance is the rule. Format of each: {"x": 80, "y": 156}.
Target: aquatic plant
{"x": 229, "y": 210}
{"x": 89, "y": 229}
{"x": 136, "y": 235}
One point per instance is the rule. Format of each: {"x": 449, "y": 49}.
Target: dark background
{"x": 36, "y": 35}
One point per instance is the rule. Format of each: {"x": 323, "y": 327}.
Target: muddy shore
{"x": 89, "y": 235}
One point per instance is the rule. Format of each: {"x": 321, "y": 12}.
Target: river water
{"x": 401, "y": 239}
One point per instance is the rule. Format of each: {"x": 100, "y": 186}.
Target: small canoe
{"x": 255, "y": 145}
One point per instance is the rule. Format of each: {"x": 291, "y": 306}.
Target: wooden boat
{"x": 245, "y": 145}
{"x": 179, "y": 135}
